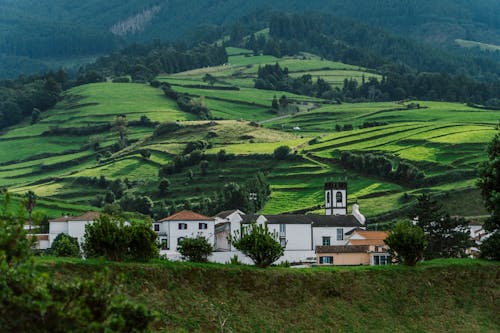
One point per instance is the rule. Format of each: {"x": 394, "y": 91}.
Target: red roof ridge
{"x": 186, "y": 215}
{"x": 87, "y": 216}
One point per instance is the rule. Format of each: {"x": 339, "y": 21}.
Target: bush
{"x": 110, "y": 238}
{"x": 34, "y": 302}
{"x": 281, "y": 152}
{"x": 407, "y": 242}
{"x": 490, "y": 248}
{"x": 195, "y": 249}
{"x": 65, "y": 246}
{"x": 258, "y": 243}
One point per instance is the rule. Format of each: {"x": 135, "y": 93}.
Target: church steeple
{"x": 336, "y": 198}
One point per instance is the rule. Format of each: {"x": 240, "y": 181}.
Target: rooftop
{"x": 186, "y": 215}
{"x": 88, "y": 216}
{"x": 343, "y": 249}
{"x": 315, "y": 220}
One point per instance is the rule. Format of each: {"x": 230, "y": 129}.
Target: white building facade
{"x": 74, "y": 226}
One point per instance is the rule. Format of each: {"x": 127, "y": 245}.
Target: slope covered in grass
{"x": 436, "y": 296}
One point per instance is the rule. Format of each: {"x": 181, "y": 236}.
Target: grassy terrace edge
{"x": 436, "y": 296}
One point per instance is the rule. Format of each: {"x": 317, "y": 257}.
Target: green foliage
{"x": 142, "y": 244}
{"x": 30, "y": 301}
{"x": 489, "y": 183}
{"x": 110, "y": 238}
{"x": 195, "y": 249}
{"x": 258, "y": 243}
{"x": 490, "y": 247}
{"x": 407, "y": 242}
{"x": 164, "y": 186}
{"x": 282, "y": 152}
{"x": 447, "y": 236}
{"x": 65, "y": 246}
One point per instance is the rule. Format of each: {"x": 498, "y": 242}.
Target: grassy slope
{"x": 440, "y": 138}
{"x": 437, "y": 296}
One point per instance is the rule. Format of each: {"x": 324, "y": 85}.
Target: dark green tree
{"x": 164, "y": 186}
{"x": 210, "y": 79}
{"x": 142, "y": 242}
{"x": 29, "y": 203}
{"x": 282, "y": 152}
{"x": 407, "y": 242}
{"x": 447, "y": 236}
{"x": 489, "y": 183}
{"x": 35, "y": 116}
{"x": 195, "y": 249}
{"x": 204, "y": 167}
{"x": 258, "y": 243}
{"x": 106, "y": 237}
{"x": 65, "y": 246}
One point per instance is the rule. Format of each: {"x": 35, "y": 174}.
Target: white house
{"x": 185, "y": 224}
{"x": 74, "y": 226}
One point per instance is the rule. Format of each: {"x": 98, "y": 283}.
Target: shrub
{"x": 65, "y": 246}
{"x": 490, "y": 248}
{"x": 142, "y": 242}
{"x": 407, "y": 242}
{"x": 195, "y": 249}
{"x": 258, "y": 243}
{"x": 281, "y": 152}
{"x": 106, "y": 237}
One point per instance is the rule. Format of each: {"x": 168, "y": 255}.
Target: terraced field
{"x": 445, "y": 141}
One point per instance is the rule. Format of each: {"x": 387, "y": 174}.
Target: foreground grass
{"x": 436, "y": 296}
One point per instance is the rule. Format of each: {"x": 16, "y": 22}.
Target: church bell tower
{"x": 336, "y": 198}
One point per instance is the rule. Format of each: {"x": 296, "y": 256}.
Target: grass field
{"x": 435, "y": 296}
{"x": 444, "y": 140}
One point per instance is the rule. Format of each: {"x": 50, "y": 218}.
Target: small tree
{"x": 281, "y": 152}
{"x": 408, "y": 242}
{"x": 142, "y": 242}
{"x": 164, "y": 186}
{"x": 146, "y": 154}
{"x": 29, "y": 203}
{"x": 204, "y": 167}
{"x": 490, "y": 247}
{"x": 106, "y": 238}
{"x": 258, "y": 243}
{"x": 210, "y": 79}
{"x": 65, "y": 246}
{"x": 195, "y": 249}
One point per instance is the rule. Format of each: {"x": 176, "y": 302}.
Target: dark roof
{"x": 314, "y": 220}
{"x": 343, "y": 249}
{"x": 335, "y": 221}
{"x": 225, "y": 213}
{"x": 249, "y": 218}
{"x": 336, "y": 186}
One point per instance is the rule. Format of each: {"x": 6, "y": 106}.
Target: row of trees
{"x": 381, "y": 166}
{"x": 273, "y": 77}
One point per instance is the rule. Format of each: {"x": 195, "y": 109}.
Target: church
{"x": 299, "y": 234}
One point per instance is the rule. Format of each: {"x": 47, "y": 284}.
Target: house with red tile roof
{"x": 184, "y": 224}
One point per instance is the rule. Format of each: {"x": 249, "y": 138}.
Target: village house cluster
{"x": 336, "y": 238}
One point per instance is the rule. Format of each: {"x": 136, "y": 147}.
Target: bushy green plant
{"x": 490, "y": 247}
{"x": 65, "y": 246}
{"x": 33, "y": 302}
{"x": 407, "y": 242}
{"x": 195, "y": 249}
{"x": 281, "y": 152}
{"x": 258, "y": 243}
{"x": 110, "y": 238}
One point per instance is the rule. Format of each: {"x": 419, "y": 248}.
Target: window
{"x": 339, "y": 197}
{"x": 283, "y": 241}
{"x": 282, "y": 228}
{"x": 180, "y": 239}
{"x": 183, "y": 226}
{"x": 381, "y": 260}
{"x": 340, "y": 234}
{"x": 156, "y": 227}
{"x": 328, "y": 197}
{"x": 326, "y": 241}
{"x": 326, "y": 260}
{"x": 202, "y": 226}
{"x": 164, "y": 244}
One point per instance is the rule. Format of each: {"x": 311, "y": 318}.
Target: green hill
{"x": 436, "y": 296}
{"x": 441, "y": 143}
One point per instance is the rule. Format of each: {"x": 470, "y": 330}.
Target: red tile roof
{"x": 88, "y": 216}
{"x": 186, "y": 215}
{"x": 372, "y": 234}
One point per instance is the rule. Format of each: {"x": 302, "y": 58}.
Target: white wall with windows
{"x": 336, "y": 235}
{"x": 171, "y": 232}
